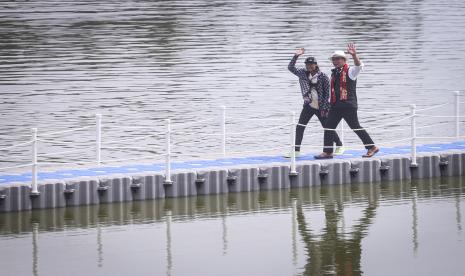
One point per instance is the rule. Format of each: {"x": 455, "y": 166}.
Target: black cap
{"x": 310, "y": 60}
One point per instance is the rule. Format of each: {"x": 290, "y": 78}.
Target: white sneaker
{"x": 288, "y": 155}
{"x": 339, "y": 150}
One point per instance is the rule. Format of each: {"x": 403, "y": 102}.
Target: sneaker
{"x": 339, "y": 150}
{"x": 288, "y": 155}
{"x": 324, "y": 155}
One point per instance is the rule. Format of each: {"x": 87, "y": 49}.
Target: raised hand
{"x": 300, "y": 51}
{"x": 351, "y": 49}
{"x": 353, "y": 52}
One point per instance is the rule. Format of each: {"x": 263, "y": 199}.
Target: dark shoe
{"x": 371, "y": 151}
{"x": 324, "y": 155}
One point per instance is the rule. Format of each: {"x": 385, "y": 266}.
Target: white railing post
{"x": 223, "y": 130}
{"x": 342, "y": 132}
{"x": 168, "y": 154}
{"x": 34, "y": 188}
{"x": 98, "y": 138}
{"x": 413, "y": 161}
{"x": 292, "y": 143}
{"x": 457, "y": 115}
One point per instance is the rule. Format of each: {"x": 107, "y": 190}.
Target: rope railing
{"x": 129, "y": 159}
{"x": 367, "y": 128}
{"x": 189, "y": 132}
{"x": 64, "y": 142}
{"x": 15, "y": 146}
{"x": 65, "y": 131}
{"x": 130, "y": 139}
{"x": 432, "y": 107}
{"x": 255, "y": 151}
{"x": 240, "y": 120}
{"x": 14, "y": 137}
{"x": 437, "y": 137}
{"x": 439, "y": 116}
{"x": 247, "y": 138}
{"x": 385, "y": 125}
{"x": 147, "y": 148}
{"x": 193, "y": 123}
{"x": 394, "y": 142}
{"x": 80, "y": 163}
{"x": 258, "y": 130}
{"x": 391, "y": 130}
{"x": 262, "y": 126}
{"x": 431, "y": 126}
{"x": 209, "y": 154}
{"x": 61, "y": 152}
{"x": 106, "y": 128}
{"x": 383, "y": 112}
{"x": 15, "y": 167}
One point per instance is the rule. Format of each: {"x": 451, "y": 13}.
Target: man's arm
{"x": 355, "y": 70}
{"x": 298, "y": 72}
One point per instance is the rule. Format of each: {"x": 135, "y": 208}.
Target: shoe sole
{"x": 319, "y": 158}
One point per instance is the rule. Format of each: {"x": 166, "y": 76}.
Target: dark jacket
{"x": 351, "y": 101}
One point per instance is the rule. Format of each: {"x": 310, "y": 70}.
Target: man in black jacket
{"x": 344, "y": 102}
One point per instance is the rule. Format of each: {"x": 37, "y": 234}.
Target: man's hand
{"x": 300, "y": 51}
{"x": 351, "y": 49}
{"x": 353, "y": 52}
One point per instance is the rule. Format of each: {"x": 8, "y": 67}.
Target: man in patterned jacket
{"x": 314, "y": 86}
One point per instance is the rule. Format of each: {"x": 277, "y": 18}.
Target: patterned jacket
{"x": 322, "y": 86}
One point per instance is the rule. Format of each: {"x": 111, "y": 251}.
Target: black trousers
{"x": 350, "y": 116}
{"x": 305, "y": 116}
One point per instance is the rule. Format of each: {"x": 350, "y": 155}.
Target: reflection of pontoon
{"x": 334, "y": 250}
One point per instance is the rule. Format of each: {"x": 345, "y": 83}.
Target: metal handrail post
{"x": 342, "y": 132}
{"x": 292, "y": 143}
{"x": 457, "y": 115}
{"x": 223, "y": 130}
{"x": 98, "y": 138}
{"x": 168, "y": 153}
{"x": 413, "y": 161}
{"x": 34, "y": 185}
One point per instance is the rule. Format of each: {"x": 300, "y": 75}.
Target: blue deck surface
{"x": 159, "y": 167}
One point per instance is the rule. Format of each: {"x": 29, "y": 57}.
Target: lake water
{"x": 402, "y": 228}
{"x": 141, "y": 62}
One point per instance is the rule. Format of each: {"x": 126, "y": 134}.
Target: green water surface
{"x": 403, "y": 228}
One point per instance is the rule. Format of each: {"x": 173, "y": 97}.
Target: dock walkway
{"x": 97, "y": 185}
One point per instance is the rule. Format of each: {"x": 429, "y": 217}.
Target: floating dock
{"x": 227, "y": 175}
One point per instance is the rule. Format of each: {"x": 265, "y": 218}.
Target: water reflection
{"x": 99, "y": 246}
{"x": 35, "y": 248}
{"x": 334, "y": 252}
{"x": 414, "y": 221}
{"x": 331, "y": 244}
{"x": 169, "y": 255}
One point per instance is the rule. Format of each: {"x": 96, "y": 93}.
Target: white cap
{"x": 338, "y": 53}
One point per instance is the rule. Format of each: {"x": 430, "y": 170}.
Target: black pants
{"x": 350, "y": 116}
{"x": 305, "y": 116}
